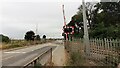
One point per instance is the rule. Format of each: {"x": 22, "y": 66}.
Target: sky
{"x": 19, "y": 16}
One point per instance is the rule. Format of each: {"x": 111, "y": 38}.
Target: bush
{"x": 4, "y": 38}
{"x": 14, "y": 46}
{"x": 100, "y": 31}
{"x": 111, "y": 60}
{"x": 76, "y": 59}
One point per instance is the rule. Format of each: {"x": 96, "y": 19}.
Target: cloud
{"x": 19, "y": 17}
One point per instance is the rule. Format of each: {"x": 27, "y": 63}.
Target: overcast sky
{"x": 19, "y": 16}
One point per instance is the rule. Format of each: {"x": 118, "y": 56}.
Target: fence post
{"x": 105, "y": 47}
{"x": 95, "y": 47}
{"x": 90, "y": 42}
{"x": 34, "y": 63}
{"x": 99, "y": 50}
{"x": 107, "y": 51}
{"x": 113, "y": 49}
{"x": 110, "y": 50}
{"x": 51, "y": 56}
{"x": 119, "y": 52}
{"x": 102, "y": 47}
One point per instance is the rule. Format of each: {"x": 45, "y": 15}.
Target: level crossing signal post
{"x": 68, "y": 32}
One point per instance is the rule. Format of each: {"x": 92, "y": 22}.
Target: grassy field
{"x": 20, "y": 43}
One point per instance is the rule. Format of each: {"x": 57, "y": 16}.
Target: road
{"x": 22, "y": 56}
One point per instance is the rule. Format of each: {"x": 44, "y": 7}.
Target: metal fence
{"x": 43, "y": 59}
{"x": 105, "y": 52}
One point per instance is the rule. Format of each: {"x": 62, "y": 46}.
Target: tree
{"x": 30, "y": 35}
{"x": 38, "y": 37}
{"x": 103, "y": 20}
{"x": 110, "y": 10}
{"x": 44, "y": 36}
{"x": 107, "y": 15}
{"x": 77, "y": 20}
{"x": 4, "y": 38}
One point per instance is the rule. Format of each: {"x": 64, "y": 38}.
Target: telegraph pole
{"x": 86, "y": 37}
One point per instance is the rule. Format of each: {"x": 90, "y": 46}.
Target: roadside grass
{"x": 20, "y": 43}
{"x": 76, "y": 59}
{"x": 73, "y": 49}
{"x": 10, "y": 46}
{"x": 13, "y": 44}
{"x": 76, "y": 54}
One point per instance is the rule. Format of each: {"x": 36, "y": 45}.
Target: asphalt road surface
{"x": 22, "y": 56}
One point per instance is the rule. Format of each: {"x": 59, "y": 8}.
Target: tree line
{"x": 29, "y": 36}
{"x": 103, "y": 20}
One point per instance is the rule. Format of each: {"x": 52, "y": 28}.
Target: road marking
{"x": 14, "y": 52}
{"x": 11, "y": 53}
{"x": 7, "y": 57}
{"x": 55, "y": 48}
{"x": 33, "y": 50}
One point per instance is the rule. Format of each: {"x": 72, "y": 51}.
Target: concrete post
{"x": 86, "y": 37}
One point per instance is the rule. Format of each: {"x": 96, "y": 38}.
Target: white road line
{"x": 7, "y": 57}
{"x": 11, "y": 53}
{"x": 55, "y": 49}
{"x": 33, "y": 50}
{"x": 14, "y": 52}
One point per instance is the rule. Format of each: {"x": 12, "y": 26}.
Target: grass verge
{"x": 20, "y": 43}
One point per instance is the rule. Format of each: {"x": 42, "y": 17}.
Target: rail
{"x": 36, "y": 60}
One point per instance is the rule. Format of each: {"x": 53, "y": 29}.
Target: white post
{"x": 86, "y": 38}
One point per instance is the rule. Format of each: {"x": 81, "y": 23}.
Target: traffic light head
{"x": 69, "y": 30}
